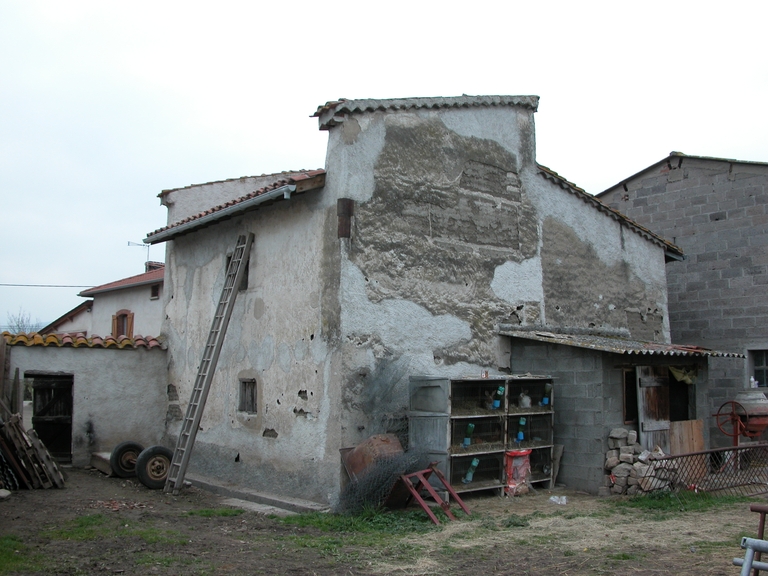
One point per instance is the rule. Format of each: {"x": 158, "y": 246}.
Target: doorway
{"x": 653, "y": 398}
{"x": 52, "y": 412}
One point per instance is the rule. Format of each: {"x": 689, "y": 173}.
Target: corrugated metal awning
{"x": 616, "y": 344}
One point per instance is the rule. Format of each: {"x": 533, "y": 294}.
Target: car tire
{"x": 122, "y": 461}
{"x": 152, "y": 466}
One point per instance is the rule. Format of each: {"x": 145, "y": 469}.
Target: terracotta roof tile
{"x": 81, "y": 341}
{"x": 286, "y": 179}
{"x": 274, "y": 176}
{"x": 151, "y": 277}
{"x": 328, "y": 113}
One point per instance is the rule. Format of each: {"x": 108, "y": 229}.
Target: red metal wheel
{"x": 732, "y": 414}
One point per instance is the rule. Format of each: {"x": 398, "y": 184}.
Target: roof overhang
{"x": 94, "y": 291}
{"x": 313, "y": 180}
{"x": 615, "y": 344}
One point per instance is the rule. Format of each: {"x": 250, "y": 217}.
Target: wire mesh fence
{"x": 736, "y": 471}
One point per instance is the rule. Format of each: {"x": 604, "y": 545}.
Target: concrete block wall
{"x": 717, "y": 212}
{"x": 589, "y": 401}
{"x": 581, "y": 420}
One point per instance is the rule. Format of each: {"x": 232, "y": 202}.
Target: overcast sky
{"x": 105, "y": 104}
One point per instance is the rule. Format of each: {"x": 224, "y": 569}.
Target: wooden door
{"x": 52, "y": 413}
{"x": 653, "y": 406}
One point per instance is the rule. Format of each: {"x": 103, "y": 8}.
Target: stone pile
{"x": 630, "y": 469}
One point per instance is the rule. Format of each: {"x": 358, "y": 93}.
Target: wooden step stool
{"x": 422, "y": 483}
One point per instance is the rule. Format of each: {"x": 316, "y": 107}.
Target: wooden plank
{"x": 686, "y": 436}
{"x": 10, "y": 457}
{"x": 48, "y": 463}
{"x": 655, "y": 425}
{"x": 15, "y": 433}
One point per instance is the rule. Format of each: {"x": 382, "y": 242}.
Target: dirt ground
{"x": 102, "y": 525}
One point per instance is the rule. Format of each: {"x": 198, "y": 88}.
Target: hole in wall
{"x": 303, "y": 394}
{"x": 237, "y": 458}
{"x": 269, "y": 433}
{"x": 311, "y": 336}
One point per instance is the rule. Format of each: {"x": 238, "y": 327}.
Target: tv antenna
{"x": 142, "y": 245}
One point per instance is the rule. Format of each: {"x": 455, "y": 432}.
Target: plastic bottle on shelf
{"x": 547, "y": 394}
{"x": 468, "y": 435}
{"x": 471, "y": 472}
{"x": 521, "y": 429}
{"x": 498, "y": 397}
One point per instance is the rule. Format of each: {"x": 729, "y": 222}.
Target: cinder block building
{"x": 716, "y": 210}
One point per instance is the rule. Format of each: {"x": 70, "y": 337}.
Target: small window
{"x": 122, "y": 324}
{"x": 248, "y": 396}
{"x": 154, "y": 292}
{"x": 760, "y": 367}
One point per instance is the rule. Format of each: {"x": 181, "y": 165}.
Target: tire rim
{"x": 128, "y": 460}
{"x": 157, "y": 467}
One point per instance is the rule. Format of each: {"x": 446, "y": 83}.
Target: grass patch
{"x": 89, "y": 527}
{"x": 667, "y": 503}
{"x": 15, "y": 556}
{"x": 515, "y": 521}
{"x": 99, "y": 527}
{"x": 399, "y": 523}
{"x": 216, "y": 512}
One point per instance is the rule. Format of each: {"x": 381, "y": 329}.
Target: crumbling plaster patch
{"x": 447, "y": 211}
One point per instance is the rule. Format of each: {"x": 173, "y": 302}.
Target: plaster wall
{"x": 456, "y": 230}
{"x": 282, "y": 334}
{"x": 118, "y": 394}
{"x": 147, "y": 311}
{"x": 715, "y": 210}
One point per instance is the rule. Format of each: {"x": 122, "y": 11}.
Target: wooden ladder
{"x": 189, "y": 427}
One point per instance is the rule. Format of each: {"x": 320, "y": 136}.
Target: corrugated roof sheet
{"x": 327, "y": 113}
{"x": 672, "y": 250}
{"x": 616, "y": 345}
{"x": 303, "y": 181}
{"x": 81, "y": 341}
{"x": 151, "y": 277}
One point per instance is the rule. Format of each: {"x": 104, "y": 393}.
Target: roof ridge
{"x": 154, "y": 275}
{"x": 326, "y": 113}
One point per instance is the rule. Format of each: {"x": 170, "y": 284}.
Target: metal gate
{"x": 52, "y": 412}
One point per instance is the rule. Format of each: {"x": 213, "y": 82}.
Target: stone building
{"x": 432, "y": 243}
{"x": 716, "y": 210}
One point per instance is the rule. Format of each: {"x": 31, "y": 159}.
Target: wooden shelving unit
{"x": 456, "y": 421}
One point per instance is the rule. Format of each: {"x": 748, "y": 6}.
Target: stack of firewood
{"x": 24, "y": 460}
